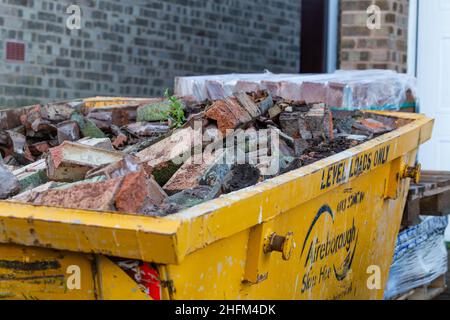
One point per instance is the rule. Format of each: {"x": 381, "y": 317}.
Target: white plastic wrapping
{"x": 420, "y": 257}
{"x": 350, "y": 90}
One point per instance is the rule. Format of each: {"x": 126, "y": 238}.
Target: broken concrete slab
{"x": 9, "y": 185}
{"x": 71, "y": 161}
{"x": 66, "y": 185}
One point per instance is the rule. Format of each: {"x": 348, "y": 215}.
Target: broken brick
{"x": 314, "y": 92}
{"x": 289, "y": 122}
{"x": 39, "y": 148}
{"x": 71, "y": 161}
{"x": 68, "y": 131}
{"x": 247, "y": 103}
{"x": 320, "y": 122}
{"x": 88, "y": 196}
{"x": 176, "y": 146}
{"x": 187, "y": 177}
{"x": 228, "y": 113}
{"x": 132, "y": 193}
{"x": 370, "y": 127}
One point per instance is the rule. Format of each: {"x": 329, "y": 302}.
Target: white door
{"x": 433, "y": 73}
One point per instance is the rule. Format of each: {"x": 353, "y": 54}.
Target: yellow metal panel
{"x": 35, "y": 273}
{"x": 99, "y": 102}
{"x": 114, "y": 284}
{"x": 122, "y": 235}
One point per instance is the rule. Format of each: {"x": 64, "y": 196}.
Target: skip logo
{"x": 319, "y": 248}
{"x": 73, "y": 22}
{"x": 74, "y": 278}
{"x": 374, "y": 19}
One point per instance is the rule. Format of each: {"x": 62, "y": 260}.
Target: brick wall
{"x": 362, "y": 48}
{"x": 136, "y": 48}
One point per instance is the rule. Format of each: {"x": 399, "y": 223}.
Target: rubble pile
{"x": 159, "y": 156}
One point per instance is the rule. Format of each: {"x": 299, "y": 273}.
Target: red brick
{"x": 88, "y": 196}
{"x": 132, "y": 193}
{"x": 228, "y": 114}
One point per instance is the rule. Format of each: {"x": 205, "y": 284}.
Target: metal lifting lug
{"x": 280, "y": 244}
{"x": 412, "y": 172}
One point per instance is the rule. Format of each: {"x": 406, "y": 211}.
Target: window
{"x": 15, "y": 51}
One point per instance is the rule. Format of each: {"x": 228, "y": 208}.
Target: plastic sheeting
{"x": 350, "y": 90}
{"x": 420, "y": 257}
